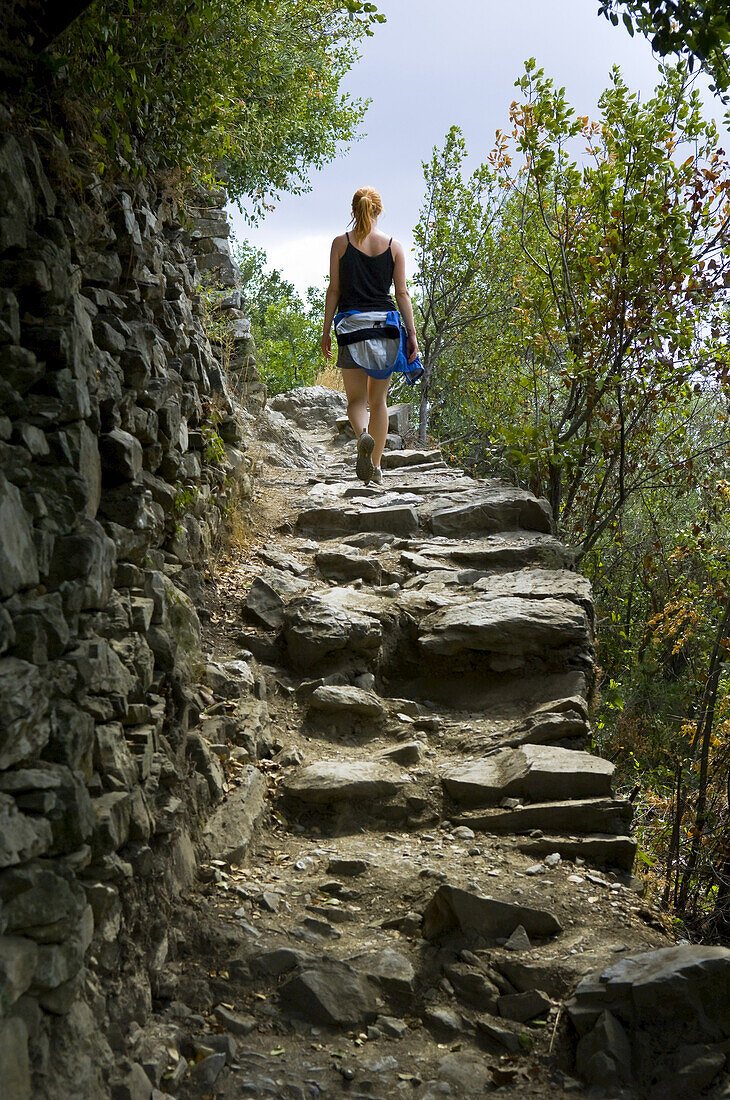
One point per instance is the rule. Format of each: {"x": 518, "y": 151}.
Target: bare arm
{"x": 403, "y": 298}
{"x": 332, "y": 296}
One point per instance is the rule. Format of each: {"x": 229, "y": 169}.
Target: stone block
{"x": 537, "y": 773}
{"x": 18, "y": 957}
{"x": 329, "y": 782}
{"x": 18, "y": 562}
{"x": 121, "y": 456}
{"x": 21, "y": 837}
{"x": 15, "y": 1064}
{"x": 230, "y": 831}
{"x": 72, "y": 737}
{"x": 113, "y": 812}
{"x": 40, "y": 627}
{"x": 24, "y": 722}
{"x": 87, "y": 556}
{"x": 57, "y": 793}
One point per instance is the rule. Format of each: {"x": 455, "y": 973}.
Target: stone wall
{"x": 120, "y": 454}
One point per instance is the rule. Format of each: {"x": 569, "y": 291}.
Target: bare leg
{"x": 356, "y": 388}
{"x": 378, "y": 426}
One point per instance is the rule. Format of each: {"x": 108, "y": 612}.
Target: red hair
{"x": 366, "y": 205}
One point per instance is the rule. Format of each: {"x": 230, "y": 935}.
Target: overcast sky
{"x": 436, "y": 63}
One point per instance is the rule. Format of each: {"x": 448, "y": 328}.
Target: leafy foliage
{"x": 247, "y": 89}
{"x": 285, "y": 329}
{"x": 698, "y": 31}
{"x": 456, "y": 246}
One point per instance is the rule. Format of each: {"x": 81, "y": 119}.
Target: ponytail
{"x": 366, "y": 206}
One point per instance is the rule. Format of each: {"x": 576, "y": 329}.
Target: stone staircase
{"x": 443, "y": 861}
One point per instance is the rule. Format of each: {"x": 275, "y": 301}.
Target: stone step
{"x": 587, "y": 815}
{"x": 332, "y": 781}
{"x": 491, "y": 511}
{"x": 325, "y": 523}
{"x": 511, "y": 632}
{"x": 503, "y": 552}
{"x": 395, "y": 460}
{"x": 597, "y": 849}
{"x": 540, "y": 773}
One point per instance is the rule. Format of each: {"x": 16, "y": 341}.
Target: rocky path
{"x": 398, "y": 715}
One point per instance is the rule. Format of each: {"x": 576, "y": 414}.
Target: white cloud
{"x": 304, "y": 260}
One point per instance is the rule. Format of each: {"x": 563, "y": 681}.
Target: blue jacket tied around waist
{"x": 378, "y": 342}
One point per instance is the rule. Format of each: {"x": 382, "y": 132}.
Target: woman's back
{"x": 366, "y": 274}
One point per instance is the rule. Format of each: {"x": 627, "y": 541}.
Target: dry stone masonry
{"x": 327, "y": 825}
{"x": 120, "y": 457}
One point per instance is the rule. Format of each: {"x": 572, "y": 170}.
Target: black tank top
{"x": 365, "y": 280}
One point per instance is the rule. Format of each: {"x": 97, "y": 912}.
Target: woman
{"x": 363, "y": 264}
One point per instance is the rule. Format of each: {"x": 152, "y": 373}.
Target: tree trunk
{"x": 556, "y": 491}
{"x": 423, "y": 415}
{"x": 423, "y": 405}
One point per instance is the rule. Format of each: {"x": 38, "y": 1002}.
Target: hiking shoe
{"x": 377, "y": 477}
{"x": 364, "y": 467}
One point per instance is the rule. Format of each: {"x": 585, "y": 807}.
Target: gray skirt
{"x": 345, "y": 360}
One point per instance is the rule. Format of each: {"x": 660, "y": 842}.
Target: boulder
{"x": 41, "y": 903}
{"x": 685, "y": 989}
{"x": 87, "y": 557}
{"x": 310, "y": 407}
{"x": 472, "y": 987}
{"x": 454, "y": 909}
{"x": 498, "y": 509}
{"x": 538, "y": 773}
{"x": 21, "y": 837}
{"x": 388, "y": 968}
{"x": 399, "y": 417}
{"x": 18, "y": 958}
{"x": 334, "y": 781}
{"x": 522, "y": 1007}
{"x": 331, "y": 993}
{"x": 314, "y": 630}
{"x": 556, "y": 630}
{"x": 264, "y": 604}
{"x": 348, "y": 565}
{"x": 347, "y": 700}
{"x": 121, "y": 456}
{"x": 57, "y": 793}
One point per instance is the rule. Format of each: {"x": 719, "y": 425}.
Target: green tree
{"x": 623, "y": 294}
{"x": 285, "y": 329}
{"x": 249, "y": 89}
{"x": 698, "y": 30}
{"x": 456, "y": 245}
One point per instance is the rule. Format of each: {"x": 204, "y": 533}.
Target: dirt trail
{"x": 436, "y": 860}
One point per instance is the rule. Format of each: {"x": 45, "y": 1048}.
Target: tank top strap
{"x": 390, "y": 242}
{"x": 348, "y": 236}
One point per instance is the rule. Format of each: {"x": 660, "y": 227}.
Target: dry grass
{"x": 331, "y": 377}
